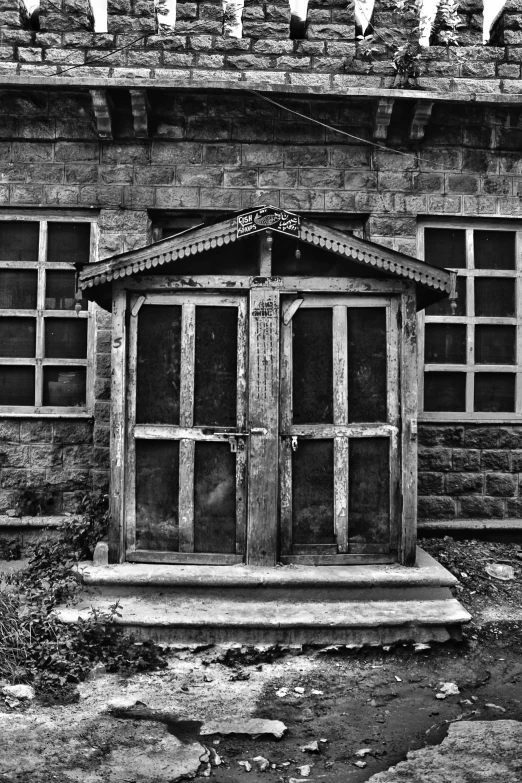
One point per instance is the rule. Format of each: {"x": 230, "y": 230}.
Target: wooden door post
{"x": 118, "y": 426}
{"x": 263, "y": 415}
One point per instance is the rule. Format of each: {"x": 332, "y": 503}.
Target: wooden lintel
{"x": 140, "y": 112}
{"x": 383, "y": 113}
{"x": 101, "y": 104}
{"x": 420, "y": 119}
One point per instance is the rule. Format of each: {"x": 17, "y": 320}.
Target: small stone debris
{"x": 18, "y": 692}
{"x": 299, "y": 690}
{"x": 261, "y": 763}
{"x": 495, "y": 707}
{"x": 123, "y": 703}
{"x": 282, "y": 692}
{"x": 207, "y": 678}
{"x": 315, "y": 692}
{"x": 246, "y": 765}
{"x": 215, "y": 758}
{"x": 256, "y": 727}
{"x": 360, "y": 764}
{"x": 300, "y": 780}
{"x": 447, "y": 689}
{"x": 304, "y": 770}
{"x": 312, "y": 747}
{"x": 397, "y": 678}
{"x": 421, "y": 647}
{"x": 363, "y": 752}
{"x": 205, "y": 772}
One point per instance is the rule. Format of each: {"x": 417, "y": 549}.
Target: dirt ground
{"x": 377, "y": 699}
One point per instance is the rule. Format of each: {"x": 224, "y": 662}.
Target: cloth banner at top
{"x": 268, "y": 217}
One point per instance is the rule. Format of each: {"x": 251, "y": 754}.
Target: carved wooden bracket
{"x": 420, "y": 119}
{"x": 102, "y": 106}
{"x": 383, "y": 113}
{"x": 140, "y": 112}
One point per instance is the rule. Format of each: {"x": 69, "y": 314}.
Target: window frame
{"x": 470, "y": 367}
{"x": 41, "y": 264}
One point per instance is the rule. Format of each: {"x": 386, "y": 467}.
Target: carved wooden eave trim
{"x": 202, "y": 238}
{"x": 420, "y": 118}
{"x": 382, "y": 117}
{"x": 101, "y": 104}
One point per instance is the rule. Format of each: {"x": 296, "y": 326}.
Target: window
{"x": 44, "y": 365}
{"x": 473, "y": 357}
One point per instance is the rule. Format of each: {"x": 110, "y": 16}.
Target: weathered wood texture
{"x": 263, "y": 413}
{"x": 117, "y": 434}
{"x": 408, "y": 385}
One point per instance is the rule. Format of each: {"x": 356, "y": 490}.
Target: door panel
{"x": 186, "y": 493}
{"x": 339, "y": 426}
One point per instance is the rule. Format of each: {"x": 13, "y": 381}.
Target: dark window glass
{"x": 313, "y": 492}
{"x": 60, "y": 289}
{"x": 157, "y": 487}
{"x": 215, "y": 375}
{"x": 494, "y": 249}
{"x": 18, "y": 289}
{"x": 65, "y": 338}
{"x": 18, "y": 337}
{"x": 445, "y": 247}
{"x": 444, "y": 307}
{"x": 158, "y": 371}
{"x": 16, "y": 385}
{"x": 68, "y": 242}
{"x": 367, "y": 365}
{"x": 312, "y": 359}
{"x": 495, "y": 344}
{"x": 494, "y": 392}
{"x": 65, "y": 386}
{"x": 369, "y": 493}
{"x": 445, "y": 343}
{"x": 495, "y": 296}
{"x": 214, "y": 498}
{"x": 19, "y": 240}
{"x": 444, "y": 391}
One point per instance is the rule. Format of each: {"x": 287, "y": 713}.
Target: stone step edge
{"x": 427, "y": 573}
{"x": 469, "y": 524}
{"x": 350, "y": 615}
{"x": 56, "y": 520}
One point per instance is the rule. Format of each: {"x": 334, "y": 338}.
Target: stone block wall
{"x": 470, "y": 472}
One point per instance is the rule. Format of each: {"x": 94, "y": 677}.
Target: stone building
{"x": 111, "y": 141}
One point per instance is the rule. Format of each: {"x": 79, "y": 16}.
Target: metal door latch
{"x": 237, "y": 443}
{"x": 294, "y": 443}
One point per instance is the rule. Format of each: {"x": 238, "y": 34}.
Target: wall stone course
{"x": 502, "y": 484}
{"x": 495, "y": 460}
{"x": 481, "y": 507}
{"x": 430, "y": 483}
{"x": 436, "y": 459}
{"x": 436, "y": 507}
{"x": 466, "y": 460}
{"x": 465, "y": 484}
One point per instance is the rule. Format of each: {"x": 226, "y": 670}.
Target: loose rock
{"x": 261, "y": 763}
{"x": 312, "y": 747}
{"x": 21, "y": 692}
{"x": 253, "y": 726}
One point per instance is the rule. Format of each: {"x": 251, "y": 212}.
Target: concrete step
{"x": 284, "y": 622}
{"x": 370, "y": 604}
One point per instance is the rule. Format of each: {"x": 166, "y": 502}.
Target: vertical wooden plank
{"x": 265, "y": 253}
{"x": 91, "y": 355}
{"x": 129, "y": 479}
{"x": 393, "y": 321}
{"x": 186, "y": 419}
{"x": 408, "y": 387}
{"x": 117, "y": 434}
{"x": 518, "y": 289}
{"x": 186, "y": 495}
{"x": 340, "y": 412}
{"x": 263, "y": 410}
{"x": 340, "y": 364}
{"x": 341, "y": 478}
{"x": 285, "y": 449}
{"x": 241, "y": 456}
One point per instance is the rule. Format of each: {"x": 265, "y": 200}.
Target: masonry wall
{"x": 218, "y": 151}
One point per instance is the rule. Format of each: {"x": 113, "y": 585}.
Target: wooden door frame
{"x": 407, "y": 321}
{"x": 185, "y": 433}
{"x": 341, "y": 431}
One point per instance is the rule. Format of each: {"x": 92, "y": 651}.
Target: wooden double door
{"x": 262, "y": 428}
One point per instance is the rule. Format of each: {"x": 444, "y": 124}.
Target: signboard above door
{"x": 268, "y": 217}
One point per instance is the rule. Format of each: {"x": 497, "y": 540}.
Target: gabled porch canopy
{"x": 432, "y": 283}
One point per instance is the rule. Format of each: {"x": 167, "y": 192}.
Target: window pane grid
{"x": 478, "y": 386}
{"x": 60, "y": 377}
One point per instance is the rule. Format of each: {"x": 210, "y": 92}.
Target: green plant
{"x": 35, "y": 645}
{"x": 404, "y": 43}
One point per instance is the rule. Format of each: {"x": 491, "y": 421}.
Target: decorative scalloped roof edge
{"x": 201, "y": 238}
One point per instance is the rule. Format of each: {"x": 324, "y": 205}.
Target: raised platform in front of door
{"x": 370, "y": 604}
